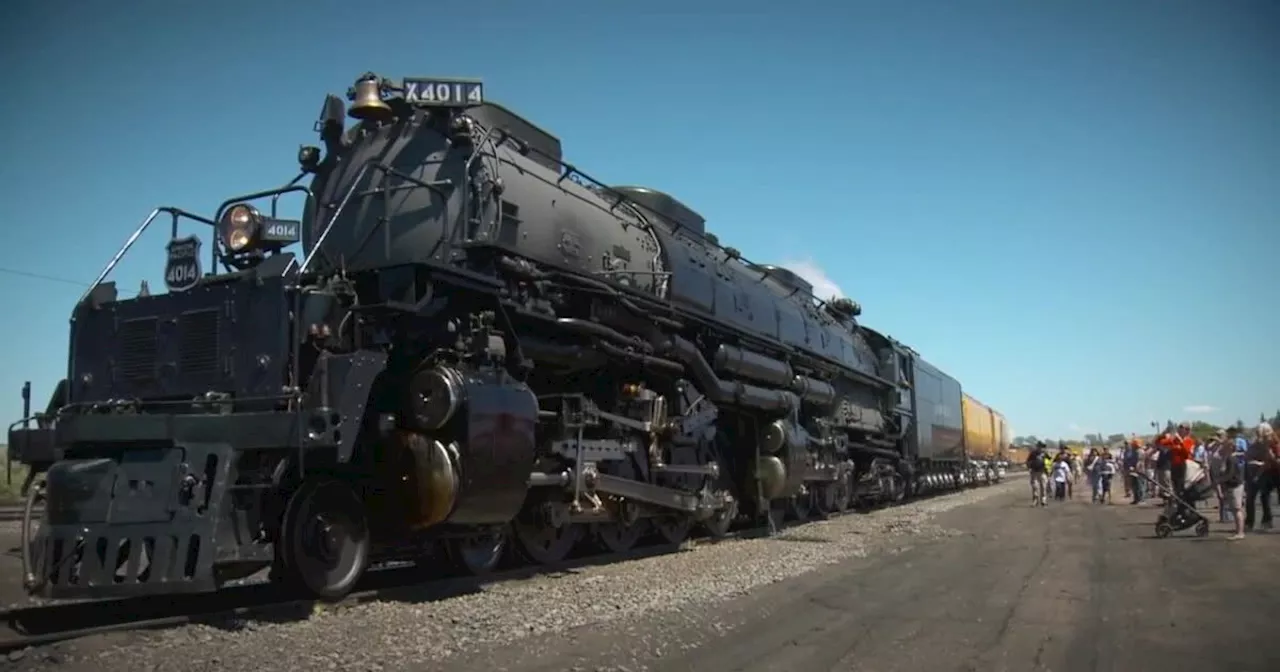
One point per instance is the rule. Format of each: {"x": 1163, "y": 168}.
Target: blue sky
{"x": 1070, "y": 206}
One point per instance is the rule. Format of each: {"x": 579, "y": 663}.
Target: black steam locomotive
{"x": 480, "y": 347}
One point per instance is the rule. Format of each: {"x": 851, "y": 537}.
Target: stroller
{"x": 1179, "y": 512}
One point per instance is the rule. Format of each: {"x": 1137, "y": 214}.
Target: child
{"x": 1061, "y": 477}
{"x": 1106, "y": 472}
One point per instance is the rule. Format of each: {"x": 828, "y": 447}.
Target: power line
{"x": 38, "y": 276}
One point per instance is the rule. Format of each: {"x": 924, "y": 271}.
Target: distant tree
{"x": 1240, "y": 424}
{"x": 1115, "y": 438}
{"x": 1203, "y": 430}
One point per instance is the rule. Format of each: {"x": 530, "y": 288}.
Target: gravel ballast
{"x": 393, "y": 635}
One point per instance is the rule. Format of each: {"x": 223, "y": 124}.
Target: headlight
{"x": 239, "y": 227}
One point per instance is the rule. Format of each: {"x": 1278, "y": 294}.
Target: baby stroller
{"x": 1179, "y": 512}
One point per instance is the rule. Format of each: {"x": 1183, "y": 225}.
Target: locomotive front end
{"x": 171, "y": 404}
{"x": 311, "y": 414}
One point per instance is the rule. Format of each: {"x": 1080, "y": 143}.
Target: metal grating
{"x": 198, "y": 342}
{"x": 137, "y": 340}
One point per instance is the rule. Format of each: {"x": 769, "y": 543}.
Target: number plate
{"x": 443, "y": 92}
{"x": 281, "y": 230}
{"x": 182, "y": 268}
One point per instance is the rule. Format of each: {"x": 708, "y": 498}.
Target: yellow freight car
{"x": 983, "y": 429}
{"x": 1001, "y": 431}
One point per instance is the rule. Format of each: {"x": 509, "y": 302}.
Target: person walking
{"x": 1106, "y": 473}
{"x": 1262, "y": 463}
{"x": 1091, "y": 471}
{"x": 1240, "y": 443}
{"x": 1229, "y": 482}
{"x": 1038, "y": 468}
{"x": 1122, "y": 451}
{"x": 1222, "y": 451}
{"x": 1061, "y": 477}
{"x": 1134, "y": 466}
{"x": 1064, "y": 455}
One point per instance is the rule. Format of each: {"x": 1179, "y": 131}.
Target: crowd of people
{"x": 1244, "y": 472}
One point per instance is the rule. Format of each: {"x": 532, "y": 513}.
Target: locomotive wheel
{"x": 843, "y": 495}
{"x": 478, "y": 554}
{"x": 327, "y": 539}
{"x": 543, "y": 543}
{"x": 824, "y": 498}
{"x": 673, "y": 529}
{"x": 718, "y": 524}
{"x": 618, "y": 537}
{"x": 800, "y": 507}
{"x": 899, "y": 489}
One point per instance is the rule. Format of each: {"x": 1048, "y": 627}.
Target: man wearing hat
{"x": 1037, "y": 467}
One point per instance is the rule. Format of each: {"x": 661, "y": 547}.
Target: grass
{"x": 11, "y": 492}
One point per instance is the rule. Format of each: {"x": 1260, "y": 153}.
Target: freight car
{"x": 985, "y": 435}
{"x": 479, "y": 348}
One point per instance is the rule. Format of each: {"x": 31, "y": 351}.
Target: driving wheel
{"x": 541, "y": 542}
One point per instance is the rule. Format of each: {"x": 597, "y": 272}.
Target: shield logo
{"x": 182, "y": 270}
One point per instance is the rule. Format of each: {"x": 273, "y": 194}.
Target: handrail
{"x": 291, "y": 187}
{"x": 176, "y": 213}
{"x": 346, "y": 198}
{"x": 275, "y": 195}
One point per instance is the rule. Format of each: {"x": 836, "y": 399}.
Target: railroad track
{"x": 40, "y": 625}
{"x": 9, "y": 514}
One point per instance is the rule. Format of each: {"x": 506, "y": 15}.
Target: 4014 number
{"x": 439, "y": 93}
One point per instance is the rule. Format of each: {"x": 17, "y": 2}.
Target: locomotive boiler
{"x": 478, "y": 348}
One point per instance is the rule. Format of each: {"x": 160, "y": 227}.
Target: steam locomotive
{"x": 481, "y": 349}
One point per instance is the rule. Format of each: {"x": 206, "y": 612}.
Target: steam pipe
{"x": 727, "y": 391}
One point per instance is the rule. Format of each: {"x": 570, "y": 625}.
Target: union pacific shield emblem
{"x": 182, "y": 270}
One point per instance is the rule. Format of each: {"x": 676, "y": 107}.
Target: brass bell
{"x": 367, "y": 102}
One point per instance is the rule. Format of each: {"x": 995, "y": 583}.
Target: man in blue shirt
{"x": 1132, "y": 461}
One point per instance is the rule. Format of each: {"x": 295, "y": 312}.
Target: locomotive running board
{"x": 649, "y": 494}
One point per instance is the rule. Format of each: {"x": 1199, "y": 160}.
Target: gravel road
{"x": 404, "y": 635}
{"x": 1073, "y": 587}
